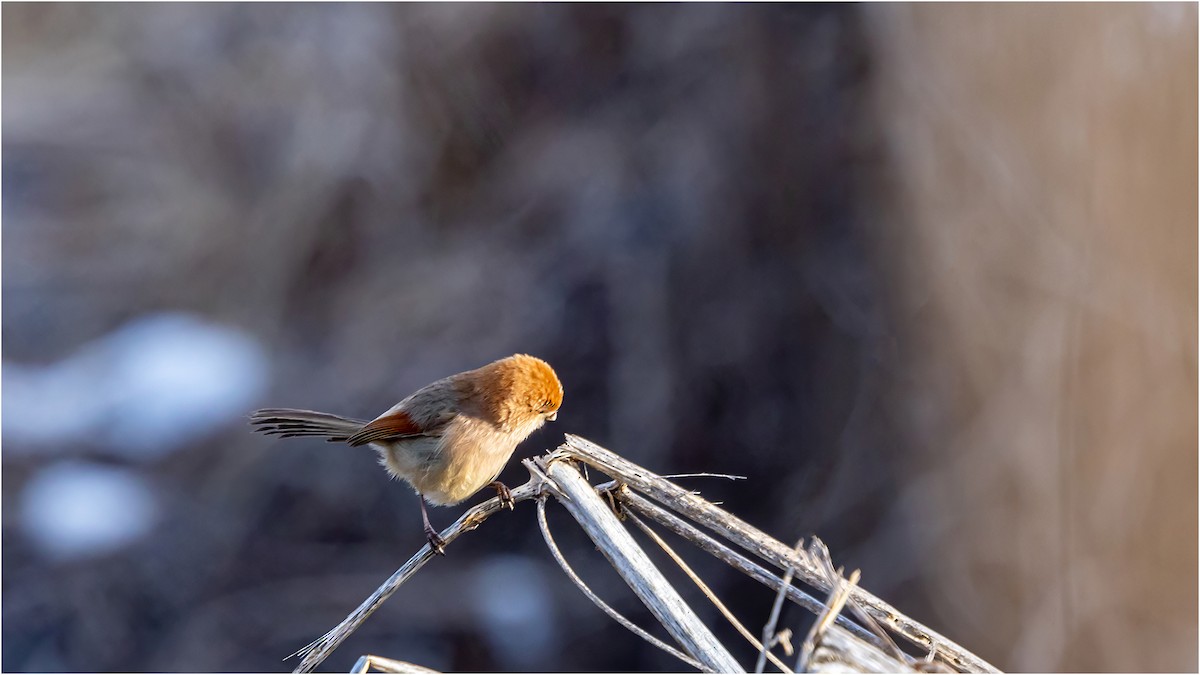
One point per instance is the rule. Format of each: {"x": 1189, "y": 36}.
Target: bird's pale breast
{"x": 448, "y": 469}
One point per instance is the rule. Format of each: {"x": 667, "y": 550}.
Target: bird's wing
{"x": 393, "y": 427}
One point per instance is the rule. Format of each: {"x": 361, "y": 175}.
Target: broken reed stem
{"x": 705, "y": 589}
{"x": 840, "y": 652}
{"x": 556, "y": 474}
{"x": 837, "y": 600}
{"x": 757, "y": 542}
{"x": 818, "y": 551}
{"x": 556, "y": 553}
{"x": 736, "y": 560}
{"x": 630, "y": 561}
{"x": 385, "y": 665}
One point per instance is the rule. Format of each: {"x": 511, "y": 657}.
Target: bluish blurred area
{"x": 925, "y": 277}
{"x": 149, "y": 388}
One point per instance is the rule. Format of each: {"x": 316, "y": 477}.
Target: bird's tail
{"x": 286, "y": 422}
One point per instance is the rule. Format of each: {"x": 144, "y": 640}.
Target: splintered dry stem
{"x": 704, "y": 588}
{"x": 760, "y": 544}
{"x": 736, "y": 560}
{"x": 591, "y": 595}
{"x": 635, "y": 492}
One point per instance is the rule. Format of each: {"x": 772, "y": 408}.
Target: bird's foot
{"x": 436, "y": 543}
{"x": 505, "y": 495}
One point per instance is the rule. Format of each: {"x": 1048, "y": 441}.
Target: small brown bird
{"x": 448, "y": 439}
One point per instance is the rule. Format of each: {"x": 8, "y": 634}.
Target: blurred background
{"x": 925, "y": 275}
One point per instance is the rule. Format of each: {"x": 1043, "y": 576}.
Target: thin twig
{"x": 320, "y": 649}
{"x": 704, "y": 588}
{"x": 591, "y": 595}
{"x": 769, "y": 629}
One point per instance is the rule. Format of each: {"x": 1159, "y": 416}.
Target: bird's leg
{"x": 435, "y": 541}
{"x": 505, "y": 495}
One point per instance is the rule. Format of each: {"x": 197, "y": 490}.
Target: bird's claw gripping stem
{"x": 505, "y": 495}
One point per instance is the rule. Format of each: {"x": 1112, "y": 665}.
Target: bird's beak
{"x": 552, "y": 416}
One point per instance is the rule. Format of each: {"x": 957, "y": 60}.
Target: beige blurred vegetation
{"x": 925, "y": 274}
{"x": 1045, "y": 165}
